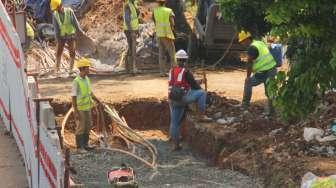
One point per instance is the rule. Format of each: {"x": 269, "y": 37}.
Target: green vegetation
{"x": 308, "y": 28}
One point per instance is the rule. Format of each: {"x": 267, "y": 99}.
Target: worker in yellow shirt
{"x": 66, "y": 28}
{"x": 164, "y": 28}
{"x": 131, "y": 30}
{"x": 82, "y": 103}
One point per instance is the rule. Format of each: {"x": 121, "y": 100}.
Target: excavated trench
{"x": 186, "y": 168}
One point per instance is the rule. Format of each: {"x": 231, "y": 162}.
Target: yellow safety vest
{"x": 134, "y": 17}
{"x": 66, "y": 28}
{"x": 84, "y": 98}
{"x": 265, "y": 60}
{"x": 162, "y": 25}
{"x": 30, "y": 31}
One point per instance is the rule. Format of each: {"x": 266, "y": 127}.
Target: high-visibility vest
{"x": 30, "y": 31}
{"x": 265, "y": 60}
{"x": 162, "y": 22}
{"x": 84, "y": 98}
{"x": 134, "y": 16}
{"x": 177, "y": 77}
{"x": 66, "y": 27}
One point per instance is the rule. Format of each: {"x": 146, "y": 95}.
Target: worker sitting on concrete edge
{"x": 66, "y": 28}
{"x": 82, "y": 104}
{"x": 131, "y": 30}
{"x": 261, "y": 63}
{"x": 164, "y": 28}
{"x": 183, "y": 89}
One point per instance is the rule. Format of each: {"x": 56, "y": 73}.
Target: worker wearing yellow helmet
{"x": 261, "y": 63}
{"x": 82, "y": 103}
{"x": 66, "y": 28}
{"x": 164, "y": 29}
{"x": 131, "y": 30}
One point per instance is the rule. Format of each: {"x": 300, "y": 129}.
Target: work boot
{"x": 80, "y": 144}
{"x": 204, "y": 118}
{"x": 176, "y": 146}
{"x": 87, "y": 146}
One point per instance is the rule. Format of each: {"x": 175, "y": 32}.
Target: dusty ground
{"x": 150, "y": 118}
{"x": 125, "y": 87}
{"x": 12, "y": 170}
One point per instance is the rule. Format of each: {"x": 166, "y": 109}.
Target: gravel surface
{"x": 175, "y": 169}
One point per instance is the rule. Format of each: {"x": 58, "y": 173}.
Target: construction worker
{"x": 183, "y": 89}
{"x": 164, "y": 28}
{"x": 82, "y": 103}
{"x": 131, "y": 30}
{"x": 261, "y": 63}
{"x": 30, "y": 35}
{"x": 66, "y": 27}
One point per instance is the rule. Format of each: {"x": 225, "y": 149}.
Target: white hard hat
{"x": 181, "y": 54}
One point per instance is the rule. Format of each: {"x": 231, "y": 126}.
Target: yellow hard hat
{"x": 54, "y": 4}
{"x": 83, "y": 62}
{"x": 243, "y": 35}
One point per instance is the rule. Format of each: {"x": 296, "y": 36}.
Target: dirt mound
{"x": 104, "y": 15}
{"x": 265, "y": 148}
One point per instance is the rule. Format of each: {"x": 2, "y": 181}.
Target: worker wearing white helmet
{"x": 82, "y": 103}
{"x": 183, "y": 89}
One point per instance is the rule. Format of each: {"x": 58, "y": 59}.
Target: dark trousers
{"x": 255, "y": 80}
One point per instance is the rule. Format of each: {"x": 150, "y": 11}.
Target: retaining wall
{"x": 40, "y": 148}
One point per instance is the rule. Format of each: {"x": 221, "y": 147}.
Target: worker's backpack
{"x": 277, "y": 52}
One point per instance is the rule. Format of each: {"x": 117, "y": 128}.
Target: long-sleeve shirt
{"x": 191, "y": 80}
{"x": 74, "y": 22}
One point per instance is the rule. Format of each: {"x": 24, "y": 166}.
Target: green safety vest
{"x": 66, "y": 27}
{"x": 134, "y": 17}
{"x": 265, "y": 60}
{"x": 162, "y": 25}
{"x": 30, "y": 31}
{"x": 84, "y": 98}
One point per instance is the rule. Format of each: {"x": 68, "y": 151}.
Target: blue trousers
{"x": 177, "y": 110}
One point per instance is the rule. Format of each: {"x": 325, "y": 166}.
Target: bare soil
{"x": 252, "y": 144}
{"x": 113, "y": 89}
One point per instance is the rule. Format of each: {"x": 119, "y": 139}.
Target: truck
{"x": 212, "y": 37}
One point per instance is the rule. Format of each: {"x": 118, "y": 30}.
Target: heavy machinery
{"x": 213, "y": 38}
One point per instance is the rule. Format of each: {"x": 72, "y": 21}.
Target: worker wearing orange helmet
{"x": 261, "y": 63}
{"x": 66, "y": 27}
{"x": 82, "y": 103}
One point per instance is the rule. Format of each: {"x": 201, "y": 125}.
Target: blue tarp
{"x": 41, "y": 7}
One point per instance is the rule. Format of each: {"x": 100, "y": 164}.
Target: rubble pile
{"x": 270, "y": 145}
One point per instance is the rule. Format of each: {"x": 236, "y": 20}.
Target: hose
{"x": 225, "y": 53}
{"x": 125, "y": 133}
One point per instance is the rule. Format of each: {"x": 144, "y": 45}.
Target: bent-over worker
{"x": 164, "y": 28}
{"x": 182, "y": 83}
{"x": 261, "y": 63}
{"x": 66, "y": 28}
{"x": 82, "y": 103}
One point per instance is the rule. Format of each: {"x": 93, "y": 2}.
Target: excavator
{"x": 212, "y": 38}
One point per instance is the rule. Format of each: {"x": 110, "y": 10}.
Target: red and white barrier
{"x": 41, "y": 152}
